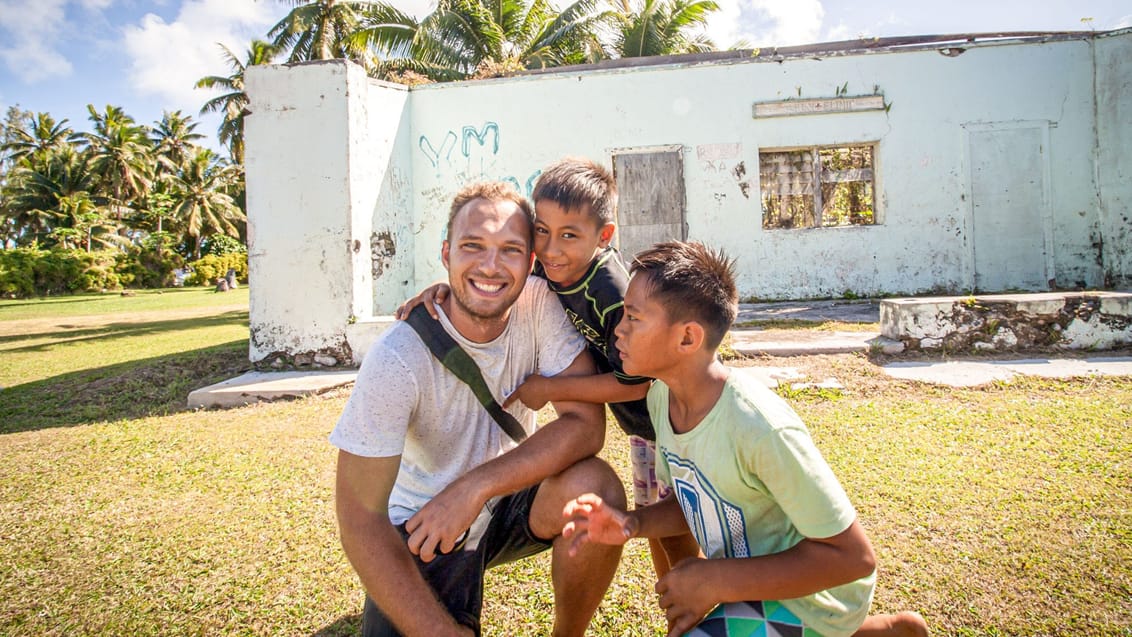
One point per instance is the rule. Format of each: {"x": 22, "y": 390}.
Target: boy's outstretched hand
{"x": 435, "y": 293}
{"x": 533, "y": 393}
{"x": 590, "y": 520}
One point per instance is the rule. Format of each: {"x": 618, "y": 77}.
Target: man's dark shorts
{"x": 457, "y": 577}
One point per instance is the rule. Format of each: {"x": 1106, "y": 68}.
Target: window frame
{"x": 824, "y": 176}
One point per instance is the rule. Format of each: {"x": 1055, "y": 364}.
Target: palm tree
{"x": 41, "y": 135}
{"x": 663, "y": 27}
{"x": 321, "y": 29}
{"x": 173, "y": 140}
{"x": 234, "y": 101}
{"x": 81, "y": 220}
{"x": 205, "y": 206}
{"x": 466, "y": 38}
{"x": 120, "y": 157}
{"x": 48, "y": 200}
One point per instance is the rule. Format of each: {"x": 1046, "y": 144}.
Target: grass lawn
{"x": 166, "y": 300}
{"x": 1003, "y": 510}
{"x": 107, "y": 356}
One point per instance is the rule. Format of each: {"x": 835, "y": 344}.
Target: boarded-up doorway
{"x": 1010, "y": 212}
{"x": 650, "y": 207}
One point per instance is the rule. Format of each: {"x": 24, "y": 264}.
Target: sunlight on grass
{"x": 38, "y": 356}
{"x": 993, "y": 511}
{"x": 114, "y": 302}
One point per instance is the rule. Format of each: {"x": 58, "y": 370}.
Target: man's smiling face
{"x": 488, "y": 256}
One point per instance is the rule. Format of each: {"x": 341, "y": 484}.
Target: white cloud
{"x": 29, "y": 26}
{"x": 166, "y": 59}
{"x": 419, "y": 8}
{"x": 766, "y": 22}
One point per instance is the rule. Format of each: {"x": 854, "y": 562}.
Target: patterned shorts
{"x": 746, "y": 619}
{"x": 646, "y": 489}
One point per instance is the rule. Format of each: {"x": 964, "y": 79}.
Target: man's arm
{"x": 577, "y": 433}
{"x": 376, "y": 551}
{"x": 537, "y": 390}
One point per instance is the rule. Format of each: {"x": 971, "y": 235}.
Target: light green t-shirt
{"x": 751, "y": 482}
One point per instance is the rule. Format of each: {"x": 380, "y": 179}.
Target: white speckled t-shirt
{"x": 405, "y": 402}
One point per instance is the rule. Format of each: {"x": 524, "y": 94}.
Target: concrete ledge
{"x": 1072, "y": 320}
{"x": 267, "y": 386}
{"x": 803, "y": 342}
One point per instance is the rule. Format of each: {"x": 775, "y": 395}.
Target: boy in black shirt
{"x": 575, "y": 200}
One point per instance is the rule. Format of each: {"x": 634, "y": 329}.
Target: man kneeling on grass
{"x": 430, "y": 490}
{"x": 785, "y": 553}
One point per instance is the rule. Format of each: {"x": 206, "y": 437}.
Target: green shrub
{"x": 211, "y": 267}
{"x": 26, "y": 272}
{"x": 146, "y": 269}
{"x": 71, "y": 271}
{"x": 17, "y": 272}
{"x": 221, "y": 244}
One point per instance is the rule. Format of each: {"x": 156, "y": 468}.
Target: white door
{"x": 1010, "y": 206}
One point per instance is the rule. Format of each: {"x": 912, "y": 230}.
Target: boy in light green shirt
{"x": 783, "y": 546}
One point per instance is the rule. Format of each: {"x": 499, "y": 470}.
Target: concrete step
{"x": 752, "y": 342}
{"x": 267, "y": 386}
{"x": 1071, "y": 320}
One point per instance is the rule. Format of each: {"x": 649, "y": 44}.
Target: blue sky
{"x": 60, "y": 55}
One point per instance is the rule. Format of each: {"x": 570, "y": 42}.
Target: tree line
{"x": 127, "y": 186}
{"x": 119, "y": 185}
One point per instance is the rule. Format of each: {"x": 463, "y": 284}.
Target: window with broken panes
{"x": 819, "y": 187}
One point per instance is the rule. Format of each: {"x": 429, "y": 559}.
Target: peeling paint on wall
{"x": 740, "y": 171}
{"x": 382, "y": 250}
{"x": 281, "y": 347}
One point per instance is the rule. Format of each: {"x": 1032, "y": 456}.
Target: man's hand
{"x": 533, "y": 392}
{"x": 442, "y": 521}
{"x": 685, "y": 595}
{"x": 591, "y": 520}
{"x": 435, "y": 293}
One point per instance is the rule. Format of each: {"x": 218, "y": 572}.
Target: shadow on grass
{"x": 57, "y": 299}
{"x": 42, "y": 300}
{"x": 347, "y": 625}
{"x": 121, "y": 329}
{"x": 149, "y": 387}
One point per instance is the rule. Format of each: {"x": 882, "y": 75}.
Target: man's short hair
{"x": 493, "y": 191}
{"x": 579, "y": 184}
{"x": 692, "y": 283}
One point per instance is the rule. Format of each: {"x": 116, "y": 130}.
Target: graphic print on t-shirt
{"x": 717, "y": 525}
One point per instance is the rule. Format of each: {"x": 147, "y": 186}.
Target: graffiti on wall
{"x": 724, "y": 168}
{"x": 477, "y": 158}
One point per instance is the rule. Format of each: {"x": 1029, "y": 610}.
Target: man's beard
{"x": 496, "y": 312}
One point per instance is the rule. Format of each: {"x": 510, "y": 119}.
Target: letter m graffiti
{"x": 470, "y": 133}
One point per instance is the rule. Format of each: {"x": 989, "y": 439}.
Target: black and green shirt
{"x": 595, "y": 305}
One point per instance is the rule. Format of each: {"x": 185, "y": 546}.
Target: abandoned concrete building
{"x": 924, "y": 165}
